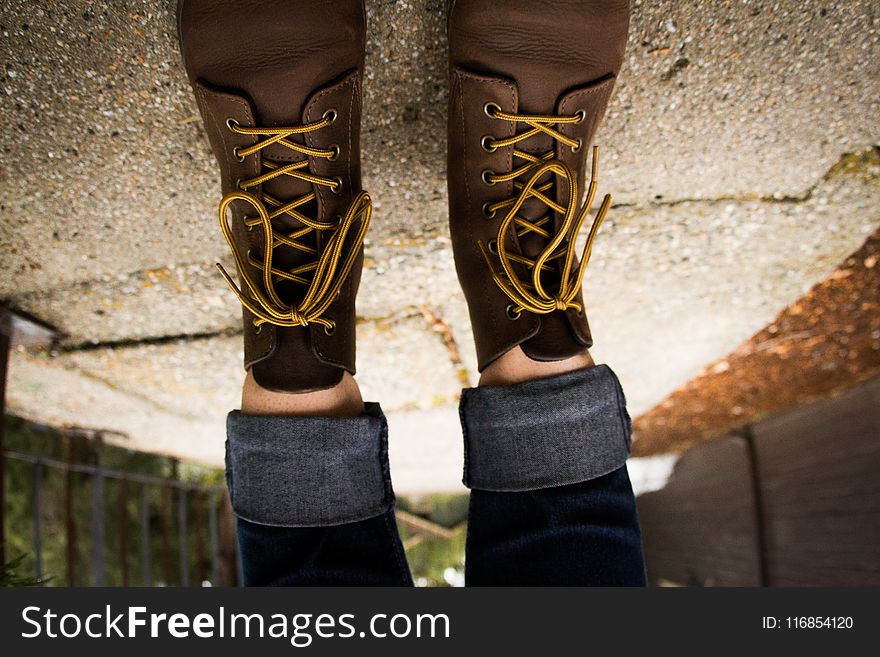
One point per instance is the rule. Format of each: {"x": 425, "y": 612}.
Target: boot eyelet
{"x": 330, "y": 330}
{"x": 493, "y": 246}
{"x": 575, "y": 149}
{"x": 581, "y": 115}
{"x": 490, "y": 109}
{"x": 331, "y": 115}
{"x": 580, "y": 313}
{"x": 486, "y": 143}
{"x": 488, "y": 212}
{"x": 232, "y": 124}
{"x": 335, "y": 150}
{"x": 258, "y": 328}
{"x": 238, "y": 184}
{"x": 337, "y": 185}
{"x": 486, "y": 176}
{"x": 237, "y": 153}
{"x": 512, "y": 313}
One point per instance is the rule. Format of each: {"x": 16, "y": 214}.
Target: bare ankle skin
{"x": 515, "y": 367}
{"x": 342, "y": 400}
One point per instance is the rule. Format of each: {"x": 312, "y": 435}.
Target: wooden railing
{"x": 792, "y": 500}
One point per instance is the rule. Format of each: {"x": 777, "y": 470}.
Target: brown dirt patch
{"x": 823, "y": 344}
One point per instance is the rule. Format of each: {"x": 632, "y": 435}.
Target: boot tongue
{"x": 275, "y": 114}
{"x": 285, "y": 188}
{"x": 554, "y": 342}
{"x": 531, "y": 244}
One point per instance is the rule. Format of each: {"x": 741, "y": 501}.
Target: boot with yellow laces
{"x": 530, "y": 83}
{"x": 278, "y": 87}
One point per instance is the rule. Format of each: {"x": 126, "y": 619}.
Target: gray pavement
{"x": 738, "y": 147}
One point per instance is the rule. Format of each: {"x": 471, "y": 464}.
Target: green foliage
{"x": 433, "y": 560}
{"x": 10, "y": 575}
{"x": 436, "y": 561}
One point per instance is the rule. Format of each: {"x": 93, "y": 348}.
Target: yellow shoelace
{"x": 532, "y": 295}
{"x": 332, "y": 266}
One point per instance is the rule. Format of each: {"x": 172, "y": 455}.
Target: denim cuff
{"x": 540, "y": 434}
{"x": 308, "y": 471}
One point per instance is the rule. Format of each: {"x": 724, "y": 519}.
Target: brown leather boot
{"x": 530, "y": 84}
{"x": 278, "y": 87}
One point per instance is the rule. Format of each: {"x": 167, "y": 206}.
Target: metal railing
{"x": 212, "y": 497}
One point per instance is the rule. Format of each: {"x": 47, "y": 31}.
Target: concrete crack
{"x": 856, "y": 160}
{"x": 439, "y": 325}
{"x": 129, "y": 343}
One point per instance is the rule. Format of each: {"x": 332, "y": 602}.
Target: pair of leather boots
{"x": 278, "y": 85}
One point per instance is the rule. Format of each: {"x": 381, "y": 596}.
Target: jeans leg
{"x": 314, "y": 500}
{"x": 551, "y": 501}
{"x": 363, "y": 553}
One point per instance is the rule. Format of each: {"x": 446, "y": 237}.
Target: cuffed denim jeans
{"x": 551, "y": 501}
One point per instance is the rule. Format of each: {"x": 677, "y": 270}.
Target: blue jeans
{"x": 551, "y": 502}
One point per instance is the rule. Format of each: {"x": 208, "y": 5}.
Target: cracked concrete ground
{"x": 739, "y": 146}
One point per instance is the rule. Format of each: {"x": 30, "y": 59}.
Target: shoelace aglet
{"x": 226, "y": 276}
